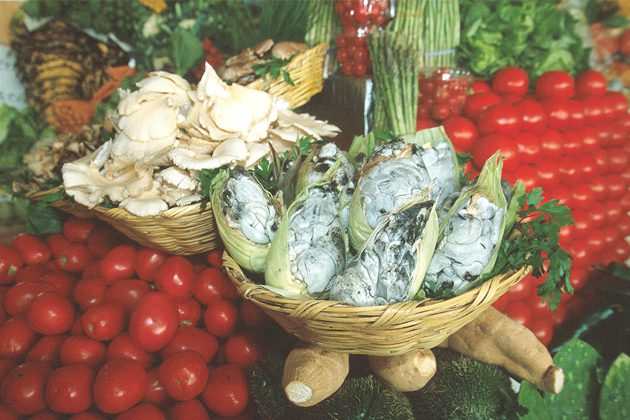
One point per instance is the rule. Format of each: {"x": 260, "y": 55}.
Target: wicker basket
{"x": 306, "y": 71}
{"x": 183, "y": 230}
{"x": 374, "y": 330}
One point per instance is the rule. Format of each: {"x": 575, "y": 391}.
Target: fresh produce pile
{"x": 442, "y": 93}
{"x": 571, "y": 138}
{"x": 92, "y": 324}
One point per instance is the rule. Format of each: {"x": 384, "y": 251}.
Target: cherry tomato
{"x": 120, "y": 384}
{"x": 122, "y": 347}
{"x": 614, "y": 212}
{"x": 478, "y": 102}
{"x": 5, "y": 414}
{"x": 595, "y": 241}
{"x": 591, "y": 82}
{"x": 50, "y": 313}
{"x": 461, "y": 131}
{"x": 184, "y": 375}
{"x": 555, "y": 84}
{"x": 148, "y": 261}
{"x": 22, "y": 390}
{"x": 31, "y": 273}
{"x": 487, "y": 145}
{"x": 78, "y": 349}
{"x": 142, "y": 411}
{"x": 57, "y": 243}
{"x": 69, "y": 389}
{"x": 421, "y": 124}
{"x": 19, "y": 297}
{"x": 227, "y": 391}
{"x": 242, "y": 349}
{"x": 579, "y": 251}
{"x": 10, "y": 264}
{"x": 622, "y": 252}
{"x": 192, "y": 338}
{"x": 576, "y": 113}
{"x": 529, "y": 147}
{"x": 569, "y": 170}
{"x": 212, "y": 286}
{"x": 598, "y": 187}
{"x": 619, "y": 103}
{"x": 479, "y": 86}
{"x": 593, "y": 109}
{"x": 559, "y": 315}
{"x": 510, "y": 80}
{"x": 547, "y": 174}
{"x": 16, "y": 338}
{"x": 519, "y": 312}
{"x": 63, "y": 283}
{"x": 615, "y": 186}
{"x": 46, "y": 350}
{"x": 618, "y": 161}
{"x": 154, "y": 321}
{"x": 572, "y": 142}
{"x": 533, "y": 115}
{"x": 89, "y": 292}
{"x": 186, "y": 410}
{"x": 127, "y": 293}
{"x": 527, "y": 175}
{"x": 542, "y": 329}
{"x": 156, "y": 393}
{"x": 551, "y": 142}
{"x": 31, "y": 249}
{"x": 558, "y": 113}
{"x": 220, "y": 318}
{"x": 189, "y": 312}
{"x": 74, "y": 258}
{"x": 92, "y": 270}
{"x": 102, "y": 239}
{"x": 252, "y": 316}
{"x": 176, "y": 277}
{"x": 118, "y": 264}
{"x": 590, "y": 142}
{"x": 104, "y": 321}
{"x": 501, "y": 303}
{"x": 5, "y": 367}
{"x": 520, "y": 290}
{"x": 582, "y": 196}
{"x": 77, "y": 230}
{"x": 499, "y": 118}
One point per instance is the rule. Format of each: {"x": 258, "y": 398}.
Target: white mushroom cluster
{"x": 167, "y": 132}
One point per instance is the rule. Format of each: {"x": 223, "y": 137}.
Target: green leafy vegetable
{"x": 186, "y": 50}
{"x": 274, "y": 68}
{"x": 578, "y": 400}
{"x": 41, "y": 219}
{"x": 614, "y": 401}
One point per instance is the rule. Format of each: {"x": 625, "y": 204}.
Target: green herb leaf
{"x": 186, "y": 50}
{"x": 273, "y": 68}
{"x": 41, "y": 219}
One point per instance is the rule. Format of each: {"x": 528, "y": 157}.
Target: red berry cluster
{"x": 571, "y": 137}
{"x": 442, "y": 94}
{"x": 213, "y": 57}
{"x": 358, "y": 18}
{"x": 94, "y": 326}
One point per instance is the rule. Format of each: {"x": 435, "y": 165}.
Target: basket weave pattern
{"x": 306, "y": 71}
{"x": 374, "y": 330}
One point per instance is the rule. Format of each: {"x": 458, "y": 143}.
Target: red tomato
{"x": 533, "y": 115}
{"x": 619, "y": 103}
{"x": 622, "y": 251}
{"x": 57, "y": 243}
{"x": 122, "y": 347}
{"x": 118, "y": 264}
{"x": 593, "y": 109}
{"x": 461, "y": 131}
{"x": 576, "y": 113}
{"x": 590, "y": 141}
{"x": 46, "y": 350}
{"x": 69, "y": 389}
{"x": 192, "y": 338}
{"x": 127, "y": 293}
{"x": 595, "y": 241}
{"x": 212, "y": 286}
{"x": 529, "y": 147}
{"x": 215, "y": 258}
{"x": 591, "y": 82}
{"x": 221, "y": 317}
{"x": 89, "y": 292}
{"x": 501, "y": 303}
{"x": 421, "y": 124}
{"x": 527, "y": 175}
{"x": 538, "y": 308}
{"x": 19, "y": 297}
{"x": 104, "y": 321}
{"x": 148, "y": 261}
{"x": 547, "y": 174}
{"x": 559, "y": 315}
{"x": 572, "y": 142}
{"x": 582, "y": 197}
{"x": 142, "y": 411}
{"x": 77, "y": 230}
{"x": 6, "y": 414}
{"x": 615, "y": 186}
{"x": 558, "y": 113}
{"x": 186, "y": 410}
{"x": 78, "y": 349}
{"x": 102, "y": 239}
{"x": 22, "y": 390}
{"x": 510, "y": 80}
{"x": 50, "y": 313}
{"x": 227, "y": 391}
{"x": 154, "y": 321}
{"x": 184, "y": 375}
{"x": 120, "y": 384}
{"x": 74, "y": 258}
{"x": 499, "y": 118}
{"x": 252, "y": 316}
{"x": 5, "y": 367}
{"x": 31, "y": 249}
{"x": 62, "y": 282}
{"x": 31, "y": 273}
{"x": 242, "y": 349}
{"x": 156, "y": 393}
{"x": 487, "y": 145}
{"x": 479, "y": 86}
{"x": 551, "y": 142}
{"x": 519, "y": 312}
{"x": 16, "y": 338}
{"x": 580, "y": 252}
{"x": 614, "y": 212}
{"x": 542, "y": 329}
{"x": 520, "y": 290}
{"x": 92, "y": 271}
{"x": 570, "y": 171}
{"x": 478, "y": 102}
{"x": 176, "y": 277}
{"x": 598, "y": 187}
{"x": 555, "y": 84}
{"x": 189, "y": 312}
{"x": 10, "y": 264}
{"x": 617, "y": 161}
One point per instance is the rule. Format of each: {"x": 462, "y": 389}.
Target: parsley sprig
{"x": 535, "y": 242}
{"x": 274, "y": 68}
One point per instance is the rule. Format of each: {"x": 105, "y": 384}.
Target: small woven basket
{"x": 374, "y": 330}
{"x": 185, "y": 230}
{"x": 307, "y": 72}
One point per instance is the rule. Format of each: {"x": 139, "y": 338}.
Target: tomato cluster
{"x": 442, "y": 94}
{"x": 358, "y": 18}
{"x": 213, "y": 57}
{"x": 93, "y": 326}
{"x": 570, "y": 137}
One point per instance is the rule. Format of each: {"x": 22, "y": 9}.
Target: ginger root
{"x": 312, "y": 374}
{"x": 407, "y": 372}
{"x": 496, "y": 339}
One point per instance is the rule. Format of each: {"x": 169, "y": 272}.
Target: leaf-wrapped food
{"x": 319, "y": 160}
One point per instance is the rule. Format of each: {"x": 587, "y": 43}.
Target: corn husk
{"x": 310, "y": 170}
{"x": 249, "y": 255}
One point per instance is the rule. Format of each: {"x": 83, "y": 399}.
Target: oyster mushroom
{"x": 229, "y": 151}
{"x": 287, "y": 49}
{"x": 147, "y": 203}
